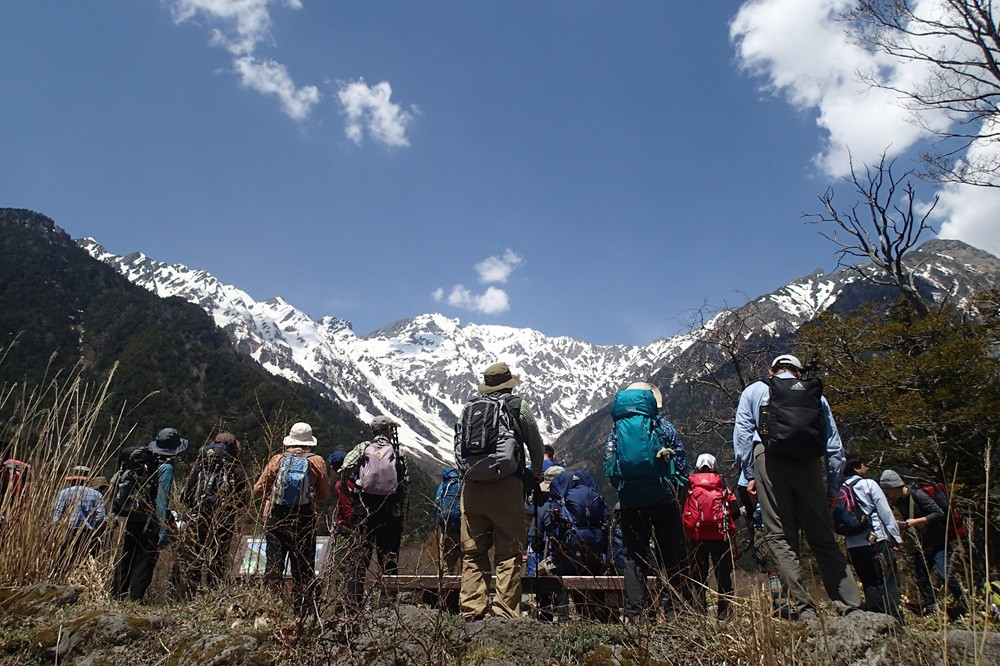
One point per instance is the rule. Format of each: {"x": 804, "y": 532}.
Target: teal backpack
{"x": 630, "y": 461}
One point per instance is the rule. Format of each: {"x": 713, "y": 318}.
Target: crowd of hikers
{"x": 508, "y": 509}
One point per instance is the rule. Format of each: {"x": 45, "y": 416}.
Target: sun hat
{"x": 646, "y": 386}
{"x": 787, "y": 359}
{"x": 498, "y": 377}
{"x": 380, "y": 423}
{"x": 301, "y": 434}
{"x": 705, "y": 460}
{"x": 168, "y": 442}
{"x": 549, "y": 474}
{"x": 890, "y": 479}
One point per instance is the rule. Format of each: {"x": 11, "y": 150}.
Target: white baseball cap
{"x": 787, "y": 359}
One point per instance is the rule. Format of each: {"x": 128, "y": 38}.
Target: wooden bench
{"x": 431, "y": 582}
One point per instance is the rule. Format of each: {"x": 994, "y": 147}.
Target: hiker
{"x": 644, "y": 460}
{"x": 548, "y": 457}
{"x": 490, "y": 437}
{"x": 922, "y": 514}
{"x": 14, "y": 477}
{"x": 347, "y": 545}
{"x": 83, "y": 511}
{"x": 214, "y": 495}
{"x": 141, "y": 493}
{"x": 575, "y": 524}
{"x": 383, "y": 481}
{"x": 448, "y": 517}
{"x": 870, "y": 548}
{"x": 345, "y": 493}
{"x": 709, "y": 524}
{"x": 538, "y": 497}
{"x": 787, "y": 444}
{"x": 295, "y": 482}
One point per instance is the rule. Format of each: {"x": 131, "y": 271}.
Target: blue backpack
{"x": 630, "y": 461}
{"x": 448, "y": 500}
{"x": 576, "y": 524}
{"x": 292, "y": 486}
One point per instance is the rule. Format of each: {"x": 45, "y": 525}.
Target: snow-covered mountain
{"x": 421, "y": 370}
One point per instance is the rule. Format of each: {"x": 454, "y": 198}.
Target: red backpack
{"x": 707, "y": 514}
{"x": 956, "y": 519}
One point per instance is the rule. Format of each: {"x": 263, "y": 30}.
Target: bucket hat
{"x": 301, "y": 434}
{"x": 705, "y": 460}
{"x": 498, "y": 377}
{"x": 168, "y": 442}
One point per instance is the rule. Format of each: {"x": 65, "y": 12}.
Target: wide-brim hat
{"x": 168, "y": 442}
{"x": 646, "y": 386}
{"x": 301, "y": 434}
{"x": 498, "y": 377}
{"x": 549, "y": 474}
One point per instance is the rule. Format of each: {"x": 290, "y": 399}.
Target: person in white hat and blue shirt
{"x": 795, "y": 492}
{"x": 290, "y": 525}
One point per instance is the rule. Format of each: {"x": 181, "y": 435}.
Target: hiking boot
{"x": 807, "y": 614}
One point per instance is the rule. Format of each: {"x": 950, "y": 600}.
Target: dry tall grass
{"x": 53, "y": 428}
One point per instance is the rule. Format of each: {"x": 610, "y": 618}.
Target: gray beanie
{"x": 890, "y": 479}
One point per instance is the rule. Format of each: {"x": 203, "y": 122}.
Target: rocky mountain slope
{"x": 421, "y": 370}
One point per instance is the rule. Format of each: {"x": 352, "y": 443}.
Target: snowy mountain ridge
{"x": 421, "y": 370}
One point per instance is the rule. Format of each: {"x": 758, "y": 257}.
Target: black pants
{"x": 384, "y": 531}
{"x": 290, "y": 534}
{"x": 875, "y": 566}
{"x": 663, "y": 523}
{"x": 205, "y": 551}
{"x": 134, "y": 571}
{"x": 717, "y": 556}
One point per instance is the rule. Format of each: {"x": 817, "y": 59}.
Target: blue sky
{"x": 590, "y": 169}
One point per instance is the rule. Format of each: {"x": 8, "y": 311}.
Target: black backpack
{"x": 793, "y": 423}
{"x": 134, "y": 486}
{"x": 849, "y": 517}
{"x": 213, "y": 481}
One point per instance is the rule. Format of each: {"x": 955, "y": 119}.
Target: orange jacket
{"x": 318, "y": 477}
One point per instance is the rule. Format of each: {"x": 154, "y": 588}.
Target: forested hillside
{"x": 58, "y": 307}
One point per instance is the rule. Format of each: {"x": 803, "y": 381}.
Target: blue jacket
{"x": 745, "y": 435}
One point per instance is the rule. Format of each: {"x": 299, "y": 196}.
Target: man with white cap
{"x": 294, "y": 482}
{"x": 709, "y": 523}
{"x": 787, "y": 445}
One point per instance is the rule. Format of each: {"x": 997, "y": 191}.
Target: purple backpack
{"x": 378, "y": 469}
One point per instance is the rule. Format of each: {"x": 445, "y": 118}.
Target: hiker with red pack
{"x": 708, "y": 522}
{"x": 382, "y": 479}
{"x": 927, "y": 516}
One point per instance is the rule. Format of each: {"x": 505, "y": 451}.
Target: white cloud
{"x": 492, "y": 301}
{"x": 803, "y": 54}
{"x": 271, "y": 78}
{"x": 370, "y": 109}
{"x": 240, "y": 26}
{"x": 498, "y": 269}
